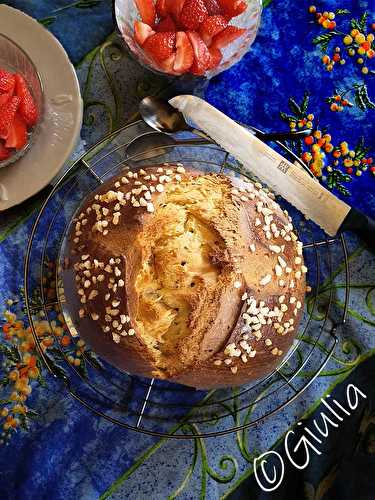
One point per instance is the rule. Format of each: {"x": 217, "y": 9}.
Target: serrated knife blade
{"x": 285, "y": 178}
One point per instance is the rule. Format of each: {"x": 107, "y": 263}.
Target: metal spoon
{"x": 163, "y": 117}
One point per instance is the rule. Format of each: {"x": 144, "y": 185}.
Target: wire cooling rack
{"x": 156, "y": 407}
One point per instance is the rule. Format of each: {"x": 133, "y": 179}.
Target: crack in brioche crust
{"x": 192, "y": 277}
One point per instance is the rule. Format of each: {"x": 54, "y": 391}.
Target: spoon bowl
{"x": 162, "y": 116}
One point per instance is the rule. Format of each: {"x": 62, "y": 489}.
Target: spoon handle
{"x": 264, "y": 136}
{"x": 284, "y": 136}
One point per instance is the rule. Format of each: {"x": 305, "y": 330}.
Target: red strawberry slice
{"x": 142, "y": 31}
{"x": 7, "y": 113}
{"x": 174, "y": 7}
{"x": 213, "y": 7}
{"x": 5, "y": 98}
{"x": 4, "y": 152}
{"x": 211, "y": 26}
{"x": 168, "y": 64}
{"x": 201, "y": 54}
{"x": 161, "y": 45}
{"x": 17, "y": 137}
{"x": 27, "y": 109}
{"x": 233, "y": 8}
{"x": 184, "y": 54}
{"x": 216, "y": 57}
{"x": 207, "y": 39}
{"x": 166, "y": 24}
{"x": 146, "y": 9}
{"x": 7, "y": 82}
{"x": 193, "y": 14}
{"x": 227, "y": 36}
{"x": 161, "y": 8}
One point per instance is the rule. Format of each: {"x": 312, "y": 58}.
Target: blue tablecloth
{"x": 64, "y": 451}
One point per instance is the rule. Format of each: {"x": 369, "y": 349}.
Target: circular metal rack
{"x": 158, "y": 407}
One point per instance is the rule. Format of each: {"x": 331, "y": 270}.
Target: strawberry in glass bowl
{"x": 198, "y": 38}
{"x": 20, "y": 101}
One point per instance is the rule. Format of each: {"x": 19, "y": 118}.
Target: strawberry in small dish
{"x": 187, "y": 36}
{"x": 18, "y": 114}
{"x": 196, "y": 37}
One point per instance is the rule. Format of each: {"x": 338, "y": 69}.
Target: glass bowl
{"x": 126, "y": 13}
{"x": 15, "y": 60}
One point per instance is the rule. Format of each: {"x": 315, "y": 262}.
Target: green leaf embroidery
{"x": 360, "y": 145}
{"x": 5, "y": 402}
{"x": 81, "y": 4}
{"x": 323, "y": 40}
{"x": 11, "y": 353}
{"x": 87, "y": 4}
{"x": 24, "y": 424}
{"x": 4, "y": 382}
{"x": 360, "y": 150}
{"x": 31, "y": 413}
{"x": 360, "y": 24}
{"x": 305, "y": 102}
{"x": 287, "y": 118}
{"x": 340, "y": 12}
{"x": 295, "y": 108}
{"x": 47, "y": 21}
{"x": 362, "y": 98}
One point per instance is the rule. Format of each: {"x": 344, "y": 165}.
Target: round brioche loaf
{"x": 181, "y": 275}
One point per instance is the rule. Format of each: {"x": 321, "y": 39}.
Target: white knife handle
{"x": 312, "y": 199}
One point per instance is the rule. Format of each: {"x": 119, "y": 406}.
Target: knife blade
{"x": 278, "y": 173}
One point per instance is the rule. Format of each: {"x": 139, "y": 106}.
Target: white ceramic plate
{"x": 60, "y": 127}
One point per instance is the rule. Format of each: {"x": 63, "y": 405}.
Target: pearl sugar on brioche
{"x": 182, "y": 275}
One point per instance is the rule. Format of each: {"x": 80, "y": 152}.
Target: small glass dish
{"x": 14, "y": 59}
{"x": 126, "y": 13}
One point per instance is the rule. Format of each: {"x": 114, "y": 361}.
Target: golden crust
{"x": 191, "y": 277}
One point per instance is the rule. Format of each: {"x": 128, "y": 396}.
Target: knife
{"x": 285, "y": 178}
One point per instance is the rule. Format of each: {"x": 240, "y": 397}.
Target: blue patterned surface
{"x": 69, "y": 453}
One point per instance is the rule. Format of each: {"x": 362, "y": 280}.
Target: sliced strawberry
{"x": 146, "y": 9}
{"x": 174, "y": 7}
{"x": 201, "y": 54}
{"x": 211, "y": 26}
{"x": 4, "y": 152}
{"x": 216, "y": 57}
{"x": 166, "y": 24}
{"x": 161, "y": 8}
{"x": 142, "y": 31}
{"x": 7, "y": 113}
{"x": 27, "y": 109}
{"x": 227, "y": 36}
{"x": 7, "y": 82}
{"x": 184, "y": 54}
{"x": 5, "y": 98}
{"x": 161, "y": 45}
{"x": 233, "y": 8}
{"x": 207, "y": 39}
{"x": 17, "y": 137}
{"x": 193, "y": 14}
{"x": 168, "y": 64}
{"x": 213, "y": 7}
